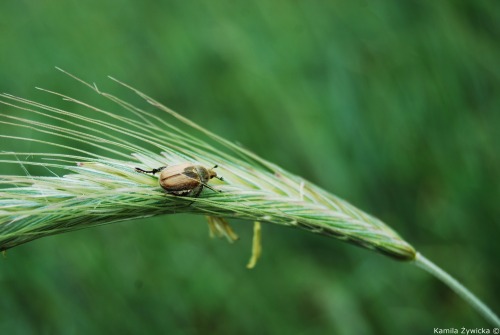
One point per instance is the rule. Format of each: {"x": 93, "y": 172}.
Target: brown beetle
{"x": 185, "y": 180}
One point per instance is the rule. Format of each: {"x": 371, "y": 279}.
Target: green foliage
{"x": 393, "y": 107}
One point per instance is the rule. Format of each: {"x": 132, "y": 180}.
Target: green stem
{"x": 467, "y": 295}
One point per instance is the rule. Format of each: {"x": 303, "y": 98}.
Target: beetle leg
{"x": 199, "y": 192}
{"x": 196, "y": 195}
{"x": 151, "y": 171}
{"x": 201, "y": 188}
{"x": 210, "y": 187}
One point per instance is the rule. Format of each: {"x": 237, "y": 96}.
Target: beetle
{"x": 184, "y": 180}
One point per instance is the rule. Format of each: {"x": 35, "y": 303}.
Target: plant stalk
{"x": 459, "y": 289}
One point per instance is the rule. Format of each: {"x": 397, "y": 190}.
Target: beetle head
{"x": 213, "y": 174}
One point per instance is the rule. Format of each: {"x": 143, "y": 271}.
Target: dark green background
{"x": 394, "y": 106}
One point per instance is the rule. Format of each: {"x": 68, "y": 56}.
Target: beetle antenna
{"x": 151, "y": 171}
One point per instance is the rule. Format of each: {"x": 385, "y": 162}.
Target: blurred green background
{"x": 393, "y": 106}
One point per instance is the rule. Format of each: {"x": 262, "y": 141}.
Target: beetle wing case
{"x": 184, "y": 179}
